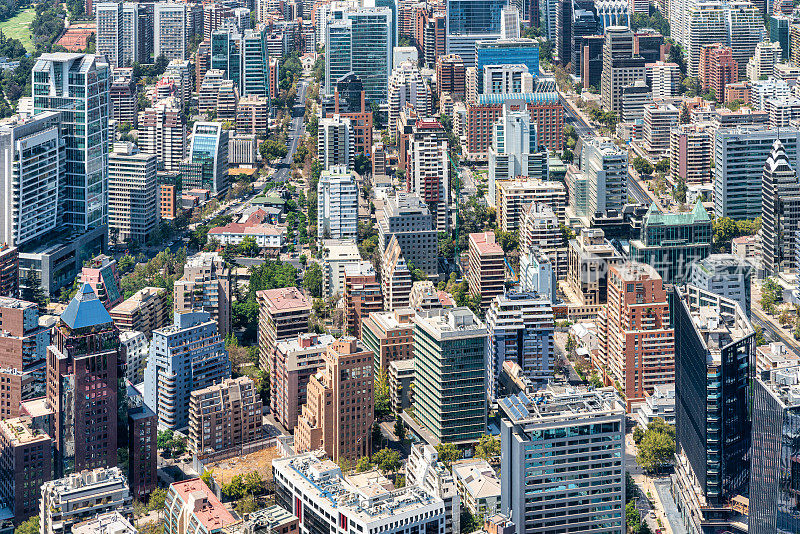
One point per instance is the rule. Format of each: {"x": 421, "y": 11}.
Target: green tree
{"x": 638, "y": 434}
{"x": 509, "y": 241}
{"x": 684, "y": 116}
{"x": 448, "y": 453}
{"x": 206, "y": 477}
{"x": 362, "y": 164}
{"x": 381, "y": 393}
{"x": 248, "y": 247}
{"x": 387, "y": 460}
{"x": 253, "y": 483}
{"x": 246, "y": 505}
{"x": 30, "y": 526}
{"x": 662, "y": 165}
{"x": 657, "y": 446}
{"x": 488, "y": 447}
{"x": 399, "y": 428}
{"x": 469, "y": 523}
{"x": 642, "y": 166}
{"x": 724, "y": 231}
{"x": 363, "y": 464}
{"x": 235, "y": 489}
{"x": 759, "y": 336}
{"x": 157, "y": 499}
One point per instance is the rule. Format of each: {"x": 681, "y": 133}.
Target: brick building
{"x": 225, "y": 415}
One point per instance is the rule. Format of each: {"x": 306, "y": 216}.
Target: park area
{"x": 18, "y": 27}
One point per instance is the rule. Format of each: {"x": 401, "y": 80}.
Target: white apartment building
{"x": 336, "y": 255}
{"x": 162, "y": 131}
{"x": 336, "y": 143}
{"x": 664, "y": 78}
{"x": 424, "y": 469}
{"x": 659, "y": 119}
{"x": 169, "y": 30}
{"x": 763, "y": 90}
{"x": 762, "y": 64}
{"x": 337, "y": 204}
{"x": 407, "y": 88}
{"x": 428, "y": 169}
{"x": 135, "y": 349}
{"x": 133, "y": 207}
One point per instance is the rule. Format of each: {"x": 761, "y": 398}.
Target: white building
{"x": 763, "y": 90}
{"x": 478, "y": 487}
{"x": 366, "y": 503}
{"x": 109, "y": 523}
{"x": 337, "y": 204}
{"x": 135, "y": 349}
{"x": 336, "y": 142}
{"x": 661, "y": 404}
{"x": 664, "y": 78}
{"x": 424, "y": 469}
{"x": 169, "y": 30}
{"x": 336, "y": 255}
{"x": 762, "y": 65}
{"x": 407, "y": 88}
{"x": 133, "y": 195}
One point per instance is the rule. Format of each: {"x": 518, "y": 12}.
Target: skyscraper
{"x": 82, "y": 367}
{"x": 780, "y": 212}
{"x": 170, "y": 30}
{"x": 226, "y": 52}
{"x": 255, "y": 62}
{"x": 514, "y": 148}
{"x": 336, "y": 143}
{"x": 162, "y": 131}
{"x": 109, "y": 32}
{"x": 69, "y": 82}
{"x": 714, "y": 345}
{"x": 469, "y": 21}
{"x": 428, "y": 169}
{"x": 132, "y": 193}
{"x": 606, "y": 169}
{"x": 621, "y": 66}
{"x": 337, "y": 204}
{"x": 507, "y": 51}
{"x": 210, "y": 148}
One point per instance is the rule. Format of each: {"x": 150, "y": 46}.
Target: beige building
{"x": 133, "y": 207}
{"x": 541, "y": 228}
{"x": 206, "y": 286}
{"x": 340, "y": 409}
{"x": 390, "y": 336}
{"x": 478, "y": 486}
{"x": 590, "y": 255}
{"x": 514, "y": 197}
{"x": 145, "y": 311}
{"x": 296, "y": 361}
{"x": 486, "y": 274}
{"x": 395, "y": 278}
{"x": 225, "y": 415}
{"x": 621, "y": 66}
{"x": 282, "y": 314}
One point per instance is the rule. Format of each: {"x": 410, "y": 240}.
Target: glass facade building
{"x": 469, "y": 21}
{"x": 210, "y": 148}
{"x": 507, "y": 52}
{"x": 371, "y": 49}
{"x": 226, "y": 54}
{"x": 255, "y": 63}
{"x": 78, "y": 86}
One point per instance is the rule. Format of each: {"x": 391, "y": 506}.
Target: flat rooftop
{"x": 552, "y": 405}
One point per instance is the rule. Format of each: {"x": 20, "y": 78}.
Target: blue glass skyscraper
{"x": 469, "y": 21}
{"x": 506, "y": 52}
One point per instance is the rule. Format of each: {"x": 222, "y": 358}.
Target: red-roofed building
{"x": 192, "y": 508}
{"x": 486, "y": 275}
{"x": 269, "y": 237}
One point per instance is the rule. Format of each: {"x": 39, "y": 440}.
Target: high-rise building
{"x": 296, "y": 360}
{"x": 133, "y": 351}
{"x": 780, "y": 212}
{"x": 282, "y": 314}
{"x": 389, "y": 335}
{"x": 514, "y": 198}
{"x": 779, "y": 33}
{"x": 690, "y": 152}
{"x": 762, "y": 64}
{"x": 32, "y": 160}
{"x": 362, "y": 295}
{"x": 336, "y": 143}
{"x": 169, "y": 29}
{"x": 428, "y": 169}
{"x": 395, "y": 277}
{"x": 664, "y": 79}
{"x": 606, "y": 169}
{"x": 726, "y": 275}
{"x": 133, "y": 212}
{"x": 339, "y": 413}
{"x": 507, "y": 51}
{"x": 102, "y": 274}
{"x": 186, "y": 356}
{"x": 408, "y": 219}
{"x": 78, "y": 81}
{"x": 659, "y": 120}
{"x": 739, "y": 156}
{"x": 486, "y": 273}
{"x": 23, "y": 352}
{"x": 26, "y": 456}
{"x": 520, "y": 327}
{"x": 82, "y": 364}
{"x": 714, "y": 349}
{"x": 337, "y": 204}
{"x": 671, "y": 242}
{"x": 515, "y": 149}
{"x": 470, "y": 21}
{"x": 450, "y": 374}
{"x": 226, "y": 52}
{"x": 450, "y": 76}
{"x": 206, "y": 285}
{"x": 109, "y": 32}
{"x": 407, "y": 88}
{"x": 621, "y": 66}
{"x": 590, "y": 256}
{"x": 502, "y": 79}
{"x": 64, "y": 501}
{"x": 124, "y": 100}
{"x": 224, "y": 416}
{"x": 162, "y": 131}
{"x": 531, "y": 428}
{"x": 144, "y": 311}
{"x": 209, "y": 147}
{"x": 350, "y": 101}
{"x": 142, "y": 444}
{"x": 637, "y": 342}
{"x": 191, "y": 507}
{"x": 255, "y": 62}
{"x": 424, "y": 469}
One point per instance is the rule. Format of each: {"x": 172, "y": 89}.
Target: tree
{"x": 448, "y": 453}
{"x": 759, "y": 336}
{"x": 363, "y": 464}
{"x": 362, "y": 164}
{"x": 206, "y": 477}
{"x": 509, "y": 241}
{"x": 488, "y": 447}
{"x": 30, "y": 526}
{"x": 399, "y": 428}
{"x": 248, "y": 247}
{"x": 638, "y": 434}
{"x": 235, "y": 489}
{"x": 642, "y": 166}
{"x": 387, "y": 460}
{"x": 684, "y": 116}
{"x": 246, "y": 505}
{"x": 724, "y": 231}
{"x": 157, "y": 499}
{"x": 253, "y": 483}
{"x": 469, "y": 523}
{"x": 312, "y": 280}
{"x": 662, "y": 165}
{"x": 657, "y": 446}
{"x": 382, "y": 406}
{"x": 679, "y": 193}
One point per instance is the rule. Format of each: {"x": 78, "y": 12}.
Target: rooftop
{"x": 655, "y": 216}
{"x": 478, "y": 478}
{"x": 719, "y": 320}
{"x": 85, "y": 310}
{"x": 21, "y": 431}
{"x": 284, "y": 299}
{"x": 484, "y": 243}
{"x": 110, "y": 523}
{"x": 137, "y": 299}
{"x": 549, "y": 405}
{"x": 784, "y": 384}
{"x": 208, "y": 510}
{"x": 451, "y": 323}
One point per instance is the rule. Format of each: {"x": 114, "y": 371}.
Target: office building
{"x": 335, "y": 143}
{"x": 206, "y": 286}
{"x": 64, "y": 501}
{"x": 659, "y": 120}
{"x": 424, "y": 470}
{"x": 191, "y": 348}
{"x": 671, "y": 242}
{"x": 470, "y": 21}
{"x": 362, "y": 295}
{"x": 82, "y": 364}
{"x": 664, "y": 79}
{"x": 690, "y": 152}
{"x": 134, "y": 350}
{"x": 717, "y": 68}
{"x": 389, "y": 335}
{"x": 637, "y": 342}
{"x": 255, "y": 62}
{"x": 712, "y": 408}
{"x": 32, "y": 158}
{"x": 408, "y": 219}
{"x": 190, "y": 507}
{"x": 780, "y": 212}
{"x": 209, "y": 147}
{"x": 407, "y": 88}
{"x": 26, "y": 456}
{"x": 606, "y": 169}
{"x": 726, "y": 275}
{"x": 779, "y": 33}
{"x": 226, "y": 52}
{"x": 367, "y": 505}
{"x": 63, "y": 81}
{"x": 506, "y": 51}
{"x": 343, "y": 386}
{"x": 395, "y": 277}
{"x": 162, "y": 131}
{"x": 520, "y": 327}
{"x": 142, "y": 444}
{"x": 428, "y": 169}
{"x": 143, "y": 312}
{"x": 169, "y": 28}
{"x": 337, "y": 204}
{"x": 486, "y": 274}
{"x": 283, "y": 314}
{"x": 633, "y": 101}
{"x": 514, "y": 151}
{"x": 590, "y": 257}
{"x": 224, "y": 416}
{"x": 296, "y": 360}
{"x": 529, "y": 430}
{"x": 621, "y": 66}
{"x": 504, "y": 79}
{"x": 739, "y": 157}
{"x": 451, "y": 76}
{"x": 133, "y": 212}
{"x": 450, "y": 374}
{"x": 350, "y": 101}
{"x": 537, "y": 274}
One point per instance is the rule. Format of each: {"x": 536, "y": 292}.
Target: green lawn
{"x": 19, "y": 28}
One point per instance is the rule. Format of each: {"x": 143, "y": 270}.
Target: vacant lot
{"x": 19, "y": 27}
